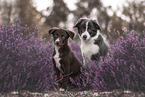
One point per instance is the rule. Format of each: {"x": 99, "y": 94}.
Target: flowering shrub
{"x": 124, "y": 68}
{"x": 25, "y": 64}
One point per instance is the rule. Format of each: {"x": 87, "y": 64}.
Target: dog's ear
{"x": 79, "y": 22}
{"x": 70, "y": 33}
{"x": 96, "y": 24}
{"x": 52, "y": 30}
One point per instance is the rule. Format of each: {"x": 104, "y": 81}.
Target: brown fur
{"x": 70, "y": 65}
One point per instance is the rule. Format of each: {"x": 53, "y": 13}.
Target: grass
{"x": 114, "y": 93}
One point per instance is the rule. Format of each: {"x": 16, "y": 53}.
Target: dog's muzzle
{"x": 57, "y": 42}
{"x": 85, "y": 36}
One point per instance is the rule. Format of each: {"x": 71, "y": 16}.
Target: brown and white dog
{"x": 65, "y": 62}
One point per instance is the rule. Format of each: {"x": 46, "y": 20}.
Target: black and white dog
{"x": 93, "y": 44}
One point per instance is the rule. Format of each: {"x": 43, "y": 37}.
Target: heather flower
{"x": 25, "y": 63}
{"x": 123, "y": 68}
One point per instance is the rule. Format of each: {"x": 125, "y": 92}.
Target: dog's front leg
{"x": 83, "y": 56}
{"x": 84, "y": 62}
{"x": 65, "y": 80}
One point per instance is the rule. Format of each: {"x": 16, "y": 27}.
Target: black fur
{"x": 103, "y": 48}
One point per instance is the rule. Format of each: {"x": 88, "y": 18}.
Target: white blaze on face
{"x": 86, "y": 32}
{"x": 57, "y": 40}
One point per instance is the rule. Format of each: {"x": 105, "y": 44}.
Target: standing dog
{"x": 65, "y": 62}
{"x": 93, "y": 44}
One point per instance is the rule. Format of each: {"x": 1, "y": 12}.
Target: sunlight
{"x": 114, "y": 3}
{"x": 42, "y": 5}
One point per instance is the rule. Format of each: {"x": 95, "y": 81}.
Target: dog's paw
{"x": 61, "y": 89}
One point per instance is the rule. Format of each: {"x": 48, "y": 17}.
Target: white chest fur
{"x": 57, "y": 58}
{"x": 88, "y": 49}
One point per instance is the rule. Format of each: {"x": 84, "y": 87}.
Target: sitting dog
{"x": 93, "y": 44}
{"x": 65, "y": 62}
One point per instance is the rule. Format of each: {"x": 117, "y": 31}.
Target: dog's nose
{"x": 84, "y": 36}
{"x": 57, "y": 42}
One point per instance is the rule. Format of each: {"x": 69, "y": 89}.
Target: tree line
{"x": 58, "y": 14}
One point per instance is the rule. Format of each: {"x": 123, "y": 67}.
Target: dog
{"x": 93, "y": 44}
{"x": 65, "y": 62}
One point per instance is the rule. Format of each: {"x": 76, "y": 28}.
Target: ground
{"x": 115, "y": 93}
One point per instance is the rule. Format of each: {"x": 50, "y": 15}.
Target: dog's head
{"x": 87, "y": 28}
{"x": 60, "y": 35}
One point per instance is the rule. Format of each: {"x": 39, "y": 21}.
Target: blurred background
{"x": 114, "y": 16}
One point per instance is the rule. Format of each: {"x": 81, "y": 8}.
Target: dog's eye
{"x": 62, "y": 36}
{"x": 93, "y": 34}
{"x": 56, "y": 35}
{"x": 90, "y": 30}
